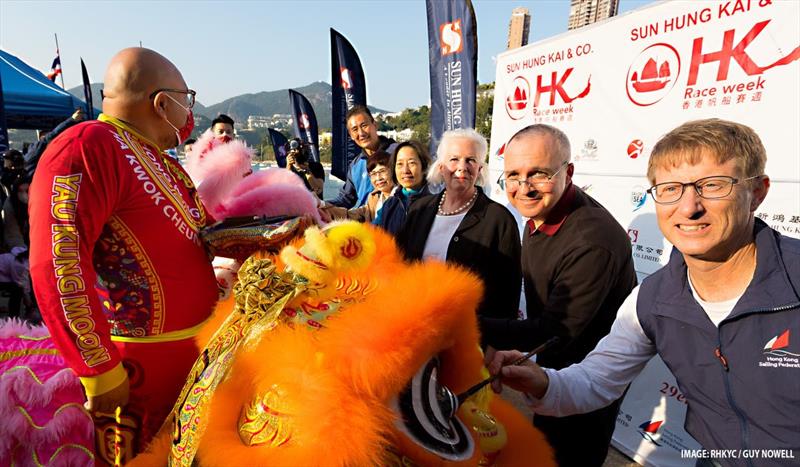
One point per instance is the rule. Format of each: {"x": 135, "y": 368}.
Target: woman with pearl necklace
{"x": 461, "y": 225}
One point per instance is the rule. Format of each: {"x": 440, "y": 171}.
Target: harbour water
{"x": 332, "y": 184}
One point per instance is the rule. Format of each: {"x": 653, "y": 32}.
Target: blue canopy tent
{"x": 30, "y": 100}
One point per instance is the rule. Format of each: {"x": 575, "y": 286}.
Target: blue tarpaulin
{"x": 31, "y": 101}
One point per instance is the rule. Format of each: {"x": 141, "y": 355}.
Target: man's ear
{"x": 759, "y": 191}
{"x": 160, "y": 104}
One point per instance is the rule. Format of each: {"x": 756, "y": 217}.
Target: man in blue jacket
{"x": 364, "y": 132}
{"x": 724, "y": 314}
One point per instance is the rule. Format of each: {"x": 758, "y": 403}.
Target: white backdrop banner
{"x": 615, "y": 88}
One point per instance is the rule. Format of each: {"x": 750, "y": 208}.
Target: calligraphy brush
{"x": 469, "y": 392}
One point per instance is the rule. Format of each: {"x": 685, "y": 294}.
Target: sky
{"x": 229, "y": 48}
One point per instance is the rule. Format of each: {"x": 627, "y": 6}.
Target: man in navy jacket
{"x": 724, "y": 314}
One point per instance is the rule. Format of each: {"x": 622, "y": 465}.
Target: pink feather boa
{"x": 220, "y": 171}
{"x": 270, "y": 192}
{"x": 216, "y": 168}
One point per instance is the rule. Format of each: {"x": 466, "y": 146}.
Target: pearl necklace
{"x": 442, "y": 212}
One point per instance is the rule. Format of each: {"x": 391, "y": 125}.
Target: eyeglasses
{"x": 714, "y": 187}
{"x": 379, "y": 173}
{"x": 540, "y": 181}
{"x": 190, "y": 95}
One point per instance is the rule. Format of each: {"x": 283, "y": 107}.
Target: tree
{"x": 483, "y": 110}
{"x": 419, "y": 119}
{"x": 267, "y": 154}
{"x": 382, "y": 124}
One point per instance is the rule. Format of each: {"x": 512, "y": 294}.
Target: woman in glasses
{"x": 380, "y": 175}
{"x": 462, "y": 225}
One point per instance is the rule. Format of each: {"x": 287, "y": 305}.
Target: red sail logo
{"x": 778, "y": 346}
{"x": 501, "y": 152}
{"x": 653, "y": 74}
{"x": 651, "y": 80}
{"x": 517, "y": 101}
{"x": 778, "y": 342}
{"x": 649, "y": 429}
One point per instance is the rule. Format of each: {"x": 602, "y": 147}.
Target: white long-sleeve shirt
{"x": 604, "y": 374}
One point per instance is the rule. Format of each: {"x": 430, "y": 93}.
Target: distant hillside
{"x": 77, "y": 91}
{"x": 277, "y": 102}
{"x": 262, "y": 103}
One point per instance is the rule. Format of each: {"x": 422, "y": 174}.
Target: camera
{"x": 299, "y": 150}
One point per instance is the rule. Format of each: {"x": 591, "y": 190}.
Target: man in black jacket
{"x": 577, "y": 270}
{"x": 13, "y": 170}
{"x": 364, "y": 132}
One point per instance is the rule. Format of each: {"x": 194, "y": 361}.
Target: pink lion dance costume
{"x": 41, "y": 402}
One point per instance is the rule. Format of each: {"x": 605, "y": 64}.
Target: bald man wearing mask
{"x": 118, "y": 268}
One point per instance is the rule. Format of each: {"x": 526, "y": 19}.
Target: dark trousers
{"x": 580, "y": 440}
{"x": 14, "y": 297}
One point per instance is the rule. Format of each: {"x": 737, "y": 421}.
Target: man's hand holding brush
{"x": 516, "y": 372}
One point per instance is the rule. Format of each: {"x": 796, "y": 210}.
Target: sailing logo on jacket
{"x": 777, "y": 353}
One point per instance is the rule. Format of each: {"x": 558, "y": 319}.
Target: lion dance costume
{"x": 332, "y": 352}
{"x": 339, "y": 353}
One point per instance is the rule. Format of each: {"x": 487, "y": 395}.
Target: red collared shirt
{"x": 557, "y": 216}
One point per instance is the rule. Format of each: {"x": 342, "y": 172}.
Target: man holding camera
{"x": 299, "y": 161}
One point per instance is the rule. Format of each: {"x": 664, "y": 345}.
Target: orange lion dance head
{"x": 353, "y": 358}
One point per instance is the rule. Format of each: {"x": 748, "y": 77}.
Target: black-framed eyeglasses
{"x": 540, "y": 181}
{"x": 713, "y": 187}
{"x": 382, "y": 172}
{"x": 189, "y": 93}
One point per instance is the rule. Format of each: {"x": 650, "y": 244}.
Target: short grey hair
{"x": 560, "y": 139}
{"x": 481, "y": 149}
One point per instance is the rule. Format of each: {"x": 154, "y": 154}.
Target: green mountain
{"x": 265, "y": 103}
{"x": 268, "y": 103}
{"x": 77, "y": 91}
